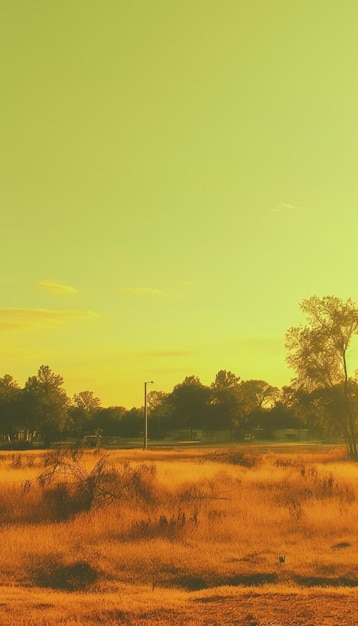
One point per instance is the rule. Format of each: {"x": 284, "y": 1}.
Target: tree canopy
{"x": 317, "y": 352}
{"x": 46, "y": 403}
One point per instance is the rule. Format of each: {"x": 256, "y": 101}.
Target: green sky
{"x": 175, "y": 177}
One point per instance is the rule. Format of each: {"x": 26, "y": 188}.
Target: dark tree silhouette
{"x": 317, "y": 353}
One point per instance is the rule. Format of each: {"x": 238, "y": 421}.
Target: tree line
{"x": 43, "y": 407}
{"x": 323, "y": 395}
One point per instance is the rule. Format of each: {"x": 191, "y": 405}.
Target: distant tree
{"x": 46, "y": 404}
{"x": 317, "y": 352}
{"x": 109, "y": 420}
{"x": 257, "y": 394}
{"x": 85, "y": 404}
{"x": 87, "y": 401}
{"x": 10, "y": 405}
{"x": 8, "y": 386}
{"x": 190, "y": 404}
{"x": 256, "y": 397}
{"x": 132, "y": 423}
{"x": 280, "y": 416}
{"x": 224, "y": 400}
{"x": 159, "y": 413}
{"x": 297, "y": 402}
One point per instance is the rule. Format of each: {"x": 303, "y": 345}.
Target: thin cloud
{"x": 56, "y": 286}
{"x": 179, "y": 289}
{"x": 169, "y": 353}
{"x": 284, "y": 207}
{"x": 142, "y": 292}
{"x": 25, "y": 319}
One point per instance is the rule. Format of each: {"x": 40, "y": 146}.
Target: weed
{"x": 16, "y": 461}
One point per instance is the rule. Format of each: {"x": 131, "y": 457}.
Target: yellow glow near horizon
{"x": 175, "y": 178}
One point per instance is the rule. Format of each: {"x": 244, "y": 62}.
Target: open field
{"x": 239, "y": 535}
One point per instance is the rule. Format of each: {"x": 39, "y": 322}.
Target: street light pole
{"x": 147, "y": 382}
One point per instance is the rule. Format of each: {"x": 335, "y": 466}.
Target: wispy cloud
{"x": 19, "y": 319}
{"x": 56, "y": 286}
{"x": 178, "y": 289}
{"x": 284, "y": 207}
{"x": 169, "y": 353}
{"x": 142, "y": 292}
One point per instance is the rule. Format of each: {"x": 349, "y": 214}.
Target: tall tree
{"x": 85, "y": 404}
{"x": 317, "y": 353}
{"x": 10, "y": 396}
{"x": 190, "y": 402}
{"x": 257, "y": 394}
{"x": 46, "y": 403}
{"x": 159, "y": 412}
{"x": 109, "y": 420}
{"x": 225, "y": 403}
{"x": 255, "y": 398}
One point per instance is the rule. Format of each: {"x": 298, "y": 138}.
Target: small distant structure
{"x": 204, "y": 435}
{"x": 91, "y": 441}
{"x": 282, "y": 558}
{"x": 291, "y": 434}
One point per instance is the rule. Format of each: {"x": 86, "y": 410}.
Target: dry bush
{"x": 304, "y": 484}
{"x": 67, "y": 487}
{"x": 235, "y": 456}
{"x": 60, "y": 573}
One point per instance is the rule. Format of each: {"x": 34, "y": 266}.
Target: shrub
{"x": 69, "y": 488}
{"x": 52, "y": 571}
{"x": 234, "y": 456}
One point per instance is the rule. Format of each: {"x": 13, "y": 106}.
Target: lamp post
{"x": 147, "y": 382}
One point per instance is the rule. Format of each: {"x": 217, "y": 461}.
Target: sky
{"x": 176, "y": 176}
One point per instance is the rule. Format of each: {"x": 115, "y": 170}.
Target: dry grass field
{"x": 227, "y": 536}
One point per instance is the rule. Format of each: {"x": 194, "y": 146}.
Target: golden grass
{"x": 183, "y": 526}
